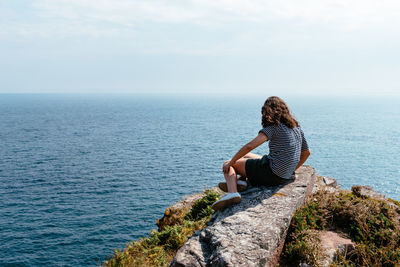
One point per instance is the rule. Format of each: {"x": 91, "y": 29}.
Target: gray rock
{"x": 368, "y": 191}
{"x": 326, "y": 184}
{"x": 330, "y": 181}
{"x": 251, "y": 233}
{"x": 332, "y": 242}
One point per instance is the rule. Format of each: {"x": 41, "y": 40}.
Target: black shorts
{"x": 259, "y": 173}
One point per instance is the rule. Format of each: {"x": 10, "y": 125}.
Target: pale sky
{"x": 200, "y": 46}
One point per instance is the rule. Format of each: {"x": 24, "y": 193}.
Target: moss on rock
{"x": 160, "y": 247}
{"x": 373, "y": 224}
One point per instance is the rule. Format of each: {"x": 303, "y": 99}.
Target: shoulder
{"x": 299, "y": 132}
{"x": 269, "y": 131}
{"x": 297, "y": 128}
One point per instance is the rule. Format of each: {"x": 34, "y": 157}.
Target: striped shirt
{"x": 285, "y": 146}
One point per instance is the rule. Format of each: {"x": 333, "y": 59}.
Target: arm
{"x": 261, "y": 138}
{"x": 303, "y": 157}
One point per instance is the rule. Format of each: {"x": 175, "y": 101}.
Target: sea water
{"x": 81, "y": 175}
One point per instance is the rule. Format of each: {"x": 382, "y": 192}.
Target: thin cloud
{"x": 353, "y": 13}
{"x": 63, "y": 18}
{"x": 247, "y": 25}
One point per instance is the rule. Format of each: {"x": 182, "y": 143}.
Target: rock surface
{"x": 331, "y": 243}
{"x": 251, "y": 233}
{"x": 327, "y": 184}
{"x": 365, "y": 190}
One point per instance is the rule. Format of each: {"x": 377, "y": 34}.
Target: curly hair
{"x": 275, "y": 111}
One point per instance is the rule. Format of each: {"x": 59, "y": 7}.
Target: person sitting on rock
{"x": 288, "y": 150}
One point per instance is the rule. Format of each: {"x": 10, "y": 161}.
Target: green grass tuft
{"x": 202, "y": 207}
{"x": 373, "y": 224}
{"x": 302, "y": 243}
{"x": 394, "y": 202}
{"x": 159, "y": 248}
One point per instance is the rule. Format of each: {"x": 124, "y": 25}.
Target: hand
{"x": 226, "y": 166}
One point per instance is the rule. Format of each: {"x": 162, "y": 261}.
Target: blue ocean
{"x": 81, "y": 175}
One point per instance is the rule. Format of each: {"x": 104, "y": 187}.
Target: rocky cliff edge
{"x": 251, "y": 233}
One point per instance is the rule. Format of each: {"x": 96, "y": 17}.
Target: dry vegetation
{"x": 160, "y": 247}
{"x": 372, "y": 224}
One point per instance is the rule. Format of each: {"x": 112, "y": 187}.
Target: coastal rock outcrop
{"x": 251, "y": 233}
{"x": 326, "y": 230}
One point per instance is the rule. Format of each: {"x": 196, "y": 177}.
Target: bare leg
{"x": 240, "y": 167}
{"x": 241, "y": 177}
{"x": 230, "y": 178}
{"x": 232, "y": 184}
{"x": 251, "y": 156}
